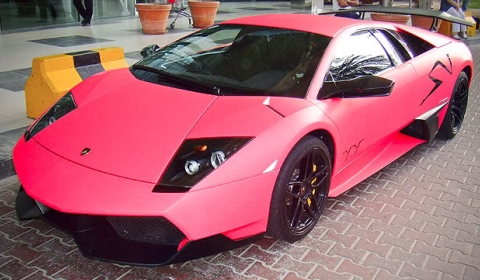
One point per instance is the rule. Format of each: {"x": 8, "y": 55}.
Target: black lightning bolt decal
{"x": 436, "y": 81}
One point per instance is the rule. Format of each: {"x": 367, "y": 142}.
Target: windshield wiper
{"x": 175, "y": 80}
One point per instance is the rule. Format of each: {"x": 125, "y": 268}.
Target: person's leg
{"x": 53, "y": 11}
{"x": 463, "y": 28}
{"x": 79, "y": 6}
{"x": 465, "y": 4}
{"x": 89, "y": 10}
{"x": 42, "y": 9}
{"x": 455, "y": 26}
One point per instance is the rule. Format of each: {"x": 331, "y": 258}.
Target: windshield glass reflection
{"x": 237, "y": 60}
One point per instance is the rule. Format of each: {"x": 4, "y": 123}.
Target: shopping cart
{"x": 179, "y": 7}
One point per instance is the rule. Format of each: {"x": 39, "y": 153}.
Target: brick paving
{"x": 418, "y": 218}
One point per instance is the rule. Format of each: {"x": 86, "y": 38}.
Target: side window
{"x": 396, "y": 57}
{"x": 398, "y": 43}
{"x": 360, "y": 55}
{"x": 416, "y": 45}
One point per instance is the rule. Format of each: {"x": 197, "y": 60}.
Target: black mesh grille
{"x": 156, "y": 230}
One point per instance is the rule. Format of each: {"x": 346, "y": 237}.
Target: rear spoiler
{"x": 436, "y": 15}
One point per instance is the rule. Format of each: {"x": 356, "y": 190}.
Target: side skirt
{"x": 384, "y": 153}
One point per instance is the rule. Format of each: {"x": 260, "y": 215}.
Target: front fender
{"x": 267, "y": 152}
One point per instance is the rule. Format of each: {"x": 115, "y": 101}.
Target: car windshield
{"x": 237, "y": 60}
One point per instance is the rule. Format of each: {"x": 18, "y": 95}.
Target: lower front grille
{"x": 156, "y": 230}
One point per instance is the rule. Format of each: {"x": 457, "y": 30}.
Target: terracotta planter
{"x": 154, "y": 17}
{"x": 203, "y": 13}
{"x": 422, "y": 22}
{"x": 402, "y": 19}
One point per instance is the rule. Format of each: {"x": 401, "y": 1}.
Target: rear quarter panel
{"x": 437, "y": 72}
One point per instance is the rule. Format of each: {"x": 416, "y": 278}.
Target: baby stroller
{"x": 178, "y": 6}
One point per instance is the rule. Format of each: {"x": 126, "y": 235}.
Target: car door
{"x": 364, "y": 120}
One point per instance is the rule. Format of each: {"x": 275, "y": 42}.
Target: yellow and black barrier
{"x": 446, "y": 26}
{"x": 53, "y": 76}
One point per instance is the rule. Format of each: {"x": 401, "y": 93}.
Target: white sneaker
{"x": 463, "y": 36}
{"x": 456, "y": 37}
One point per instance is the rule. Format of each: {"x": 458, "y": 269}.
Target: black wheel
{"x": 300, "y": 191}
{"x": 172, "y": 25}
{"x": 456, "y": 109}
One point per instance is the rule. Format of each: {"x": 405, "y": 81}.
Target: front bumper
{"x": 146, "y": 241}
{"x": 83, "y": 202}
{"x": 237, "y": 209}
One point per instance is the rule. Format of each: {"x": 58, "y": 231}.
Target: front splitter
{"x": 98, "y": 239}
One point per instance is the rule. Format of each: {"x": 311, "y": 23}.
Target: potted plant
{"x": 395, "y": 18}
{"x": 420, "y": 21}
{"x": 203, "y": 12}
{"x": 154, "y": 16}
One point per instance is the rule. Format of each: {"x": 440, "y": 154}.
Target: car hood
{"x": 133, "y": 129}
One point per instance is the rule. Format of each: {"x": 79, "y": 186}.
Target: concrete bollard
{"x": 53, "y": 76}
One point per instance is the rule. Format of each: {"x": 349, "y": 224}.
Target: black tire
{"x": 301, "y": 190}
{"x": 456, "y": 109}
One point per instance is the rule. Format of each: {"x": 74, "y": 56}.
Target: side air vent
{"x": 157, "y": 230}
{"x": 424, "y": 127}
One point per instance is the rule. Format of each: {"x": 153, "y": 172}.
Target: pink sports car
{"x": 234, "y": 131}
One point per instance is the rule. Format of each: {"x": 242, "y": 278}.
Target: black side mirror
{"x": 149, "y": 50}
{"x": 366, "y": 86}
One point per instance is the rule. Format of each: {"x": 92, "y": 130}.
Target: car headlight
{"x": 196, "y": 159}
{"x": 62, "y": 107}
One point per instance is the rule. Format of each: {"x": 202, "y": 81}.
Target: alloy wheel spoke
{"x": 456, "y": 117}
{"x": 317, "y": 172}
{"x": 295, "y": 183}
{"x": 460, "y": 98}
{"x": 295, "y": 194}
{"x": 306, "y": 170}
{"x": 296, "y": 214}
{"x": 310, "y": 211}
{"x": 317, "y": 175}
{"x": 456, "y": 107}
{"x": 314, "y": 204}
{"x": 459, "y": 104}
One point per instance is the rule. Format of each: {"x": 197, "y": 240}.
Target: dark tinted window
{"x": 398, "y": 43}
{"x": 360, "y": 55}
{"x": 238, "y": 60}
{"x": 395, "y": 55}
{"x": 416, "y": 45}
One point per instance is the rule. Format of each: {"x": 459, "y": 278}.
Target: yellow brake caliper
{"x": 312, "y": 183}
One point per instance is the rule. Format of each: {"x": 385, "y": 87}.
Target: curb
{"x": 8, "y": 139}
{"x": 6, "y": 168}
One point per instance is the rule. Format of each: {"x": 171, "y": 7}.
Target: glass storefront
{"x": 17, "y": 14}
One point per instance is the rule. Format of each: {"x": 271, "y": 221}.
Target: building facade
{"x": 20, "y": 14}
